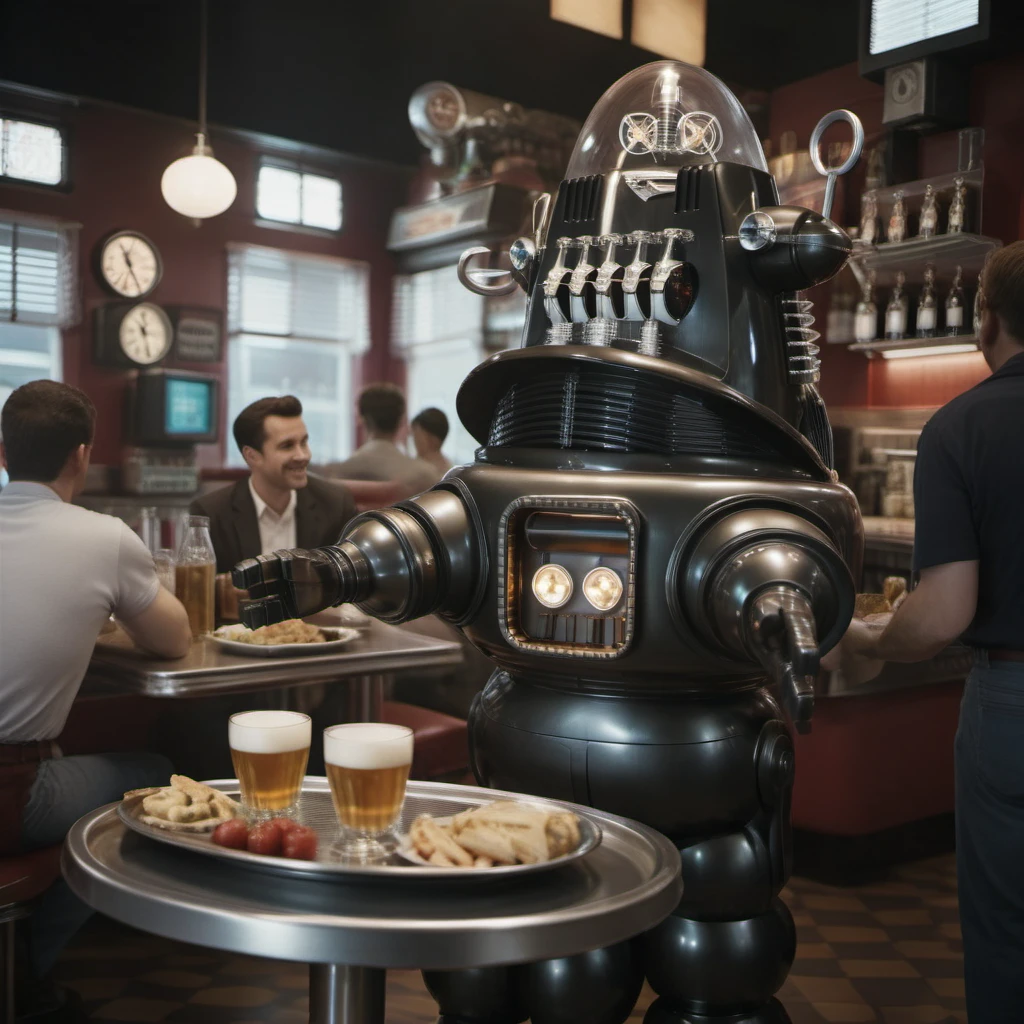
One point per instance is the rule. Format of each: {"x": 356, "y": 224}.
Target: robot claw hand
{"x": 286, "y": 585}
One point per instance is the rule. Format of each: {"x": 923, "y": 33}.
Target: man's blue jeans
{"x": 990, "y": 840}
{"x": 66, "y": 788}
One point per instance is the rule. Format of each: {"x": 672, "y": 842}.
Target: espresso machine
{"x": 651, "y": 544}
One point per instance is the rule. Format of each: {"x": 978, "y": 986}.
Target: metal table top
{"x": 628, "y": 884}
{"x": 209, "y": 669}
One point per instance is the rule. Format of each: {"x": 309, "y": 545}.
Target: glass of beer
{"x": 269, "y": 750}
{"x": 367, "y": 766}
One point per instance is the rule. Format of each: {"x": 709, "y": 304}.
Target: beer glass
{"x": 269, "y": 750}
{"x": 367, "y": 766}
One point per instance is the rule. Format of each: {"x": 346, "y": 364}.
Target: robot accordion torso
{"x": 651, "y": 544}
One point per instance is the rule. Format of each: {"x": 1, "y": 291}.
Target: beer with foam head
{"x": 269, "y": 750}
{"x": 368, "y": 766}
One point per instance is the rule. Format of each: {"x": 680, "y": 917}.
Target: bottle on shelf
{"x": 955, "y": 305}
{"x": 957, "y": 220}
{"x": 928, "y": 222}
{"x": 978, "y": 306}
{"x": 897, "y": 219}
{"x": 869, "y": 217}
{"x": 896, "y": 311}
{"x": 865, "y": 317}
{"x": 875, "y": 176}
{"x": 927, "y": 308}
{"x": 839, "y": 325}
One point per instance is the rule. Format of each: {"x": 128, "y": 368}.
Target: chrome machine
{"x": 651, "y": 544}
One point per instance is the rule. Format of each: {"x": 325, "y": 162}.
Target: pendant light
{"x": 198, "y": 185}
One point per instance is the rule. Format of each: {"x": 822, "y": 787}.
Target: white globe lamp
{"x": 199, "y": 185}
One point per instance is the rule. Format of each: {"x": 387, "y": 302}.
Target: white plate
{"x": 337, "y": 638}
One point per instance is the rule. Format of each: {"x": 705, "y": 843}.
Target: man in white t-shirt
{"x": 63, "y": 572}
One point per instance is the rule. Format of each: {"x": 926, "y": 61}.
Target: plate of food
{"x": 521, "y": 837}
{"x": 503, "y": 834}
{"x": 283, "y": 639}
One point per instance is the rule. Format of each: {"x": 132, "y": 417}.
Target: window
{"x": 295, "y": 324}
{"x": 31, "y": 152}
{"x": 897, "y": 23}
{"x": 298, "y": 197}
{"x": 444, "y": 330}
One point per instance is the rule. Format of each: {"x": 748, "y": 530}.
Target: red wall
{"x": 848, "y": 378}
{"x": 117, "y": 157}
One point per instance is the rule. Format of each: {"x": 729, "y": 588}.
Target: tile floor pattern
{"x": 888, "y": 951}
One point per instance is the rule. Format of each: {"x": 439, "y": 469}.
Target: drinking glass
{"x": 367, "y": 766}
{"x": 269, "y": 750}
{"x": 194, "y": 575}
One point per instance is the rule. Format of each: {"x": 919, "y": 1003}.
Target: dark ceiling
{"x": 339, "y": 73}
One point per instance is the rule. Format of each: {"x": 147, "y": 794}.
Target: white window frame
{"x": 9, "y": 179}
{"x": 303, "y": 172}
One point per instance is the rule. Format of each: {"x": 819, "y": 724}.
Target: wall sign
{"x": 198, "y": 334}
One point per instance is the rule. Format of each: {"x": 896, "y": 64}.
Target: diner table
{"x": 351, "y": 929}
{"x": 365, "y": 664}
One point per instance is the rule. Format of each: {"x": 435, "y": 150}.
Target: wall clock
{"x": 129, "y": 264}
{"x": 132, "y": 334}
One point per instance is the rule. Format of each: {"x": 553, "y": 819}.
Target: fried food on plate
{"x": 185, "y": 805}
{"x": 291, "y": 631}
{"x": 503, "y": 832}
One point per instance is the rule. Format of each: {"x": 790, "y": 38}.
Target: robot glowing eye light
{"x": 602, "y": 588}
{"x": 552, "y": 586}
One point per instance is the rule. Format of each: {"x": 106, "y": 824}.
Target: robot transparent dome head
{"x": 665, "y": 114}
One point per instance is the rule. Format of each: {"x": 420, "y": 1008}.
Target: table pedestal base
{"x": 339, "y": 994}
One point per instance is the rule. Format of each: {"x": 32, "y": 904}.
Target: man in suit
{"x": 280, "y": 505}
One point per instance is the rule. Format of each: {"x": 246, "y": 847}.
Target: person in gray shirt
{"x": 382, "y": 410}
{"x": 63, "y": 572}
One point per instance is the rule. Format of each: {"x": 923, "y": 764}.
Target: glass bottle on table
{"x": 865, "y": 316}
{"x": 896, "y": 311}
{"x": 955, "y": 305}
{"x": 928, "y": 222}
{"x": 927, "y": 307}
{"x": 196, "y": 566}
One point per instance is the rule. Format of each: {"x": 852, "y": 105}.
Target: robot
{"x": 651, "y": 544}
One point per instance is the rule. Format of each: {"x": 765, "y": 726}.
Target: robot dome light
{"x": 650, "y": 545}
{"x": 667, "y": 114}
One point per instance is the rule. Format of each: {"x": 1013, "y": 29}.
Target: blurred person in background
{"x": 66, "y": 570}
{"x": 382, "y": 412}
{"x": 429, "y": 430}
{"x": 280, "y": 504}
{"x": 968, "y": 550}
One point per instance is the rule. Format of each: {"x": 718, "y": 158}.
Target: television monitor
{"x": 896, "y": 31}
{"x": 174, "y": 407}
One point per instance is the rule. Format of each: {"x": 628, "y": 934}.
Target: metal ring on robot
{"x": 858, "y": 141}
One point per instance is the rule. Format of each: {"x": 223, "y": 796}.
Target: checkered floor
{"x": 889, "y": 951}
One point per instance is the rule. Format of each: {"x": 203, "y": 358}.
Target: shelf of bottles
{"x": 917, "y": 262}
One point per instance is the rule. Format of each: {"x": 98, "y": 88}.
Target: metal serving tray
{"x": 317, "y": 811}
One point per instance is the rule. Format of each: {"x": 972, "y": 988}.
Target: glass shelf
{"x": 945, "y": 251}
{"x": 946, "y": 344}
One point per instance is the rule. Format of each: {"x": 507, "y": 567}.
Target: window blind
{"x": 286, "y": 295}
{"x": 896, "y": 23}
{"x": 433, "y": 305}
{"x": 38, "y": 274}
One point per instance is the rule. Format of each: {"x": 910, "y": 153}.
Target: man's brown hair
{"x": 382, "y": 406}
{"x": 248, "y": 427}
{"x": 1003, "y": 287}
{"x": 42, "y": 423}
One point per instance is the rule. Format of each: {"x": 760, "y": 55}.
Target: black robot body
{"x": 651, "y": 544}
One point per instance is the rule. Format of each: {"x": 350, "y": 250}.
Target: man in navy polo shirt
{"x": 969, "y": 552}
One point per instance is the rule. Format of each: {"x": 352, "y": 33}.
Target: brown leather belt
{"x": 19, "y": 753}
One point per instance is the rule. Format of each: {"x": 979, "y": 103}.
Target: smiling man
{"x": 280, "y": 505}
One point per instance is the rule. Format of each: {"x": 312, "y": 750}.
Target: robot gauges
{"x": 697, "y": 132}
